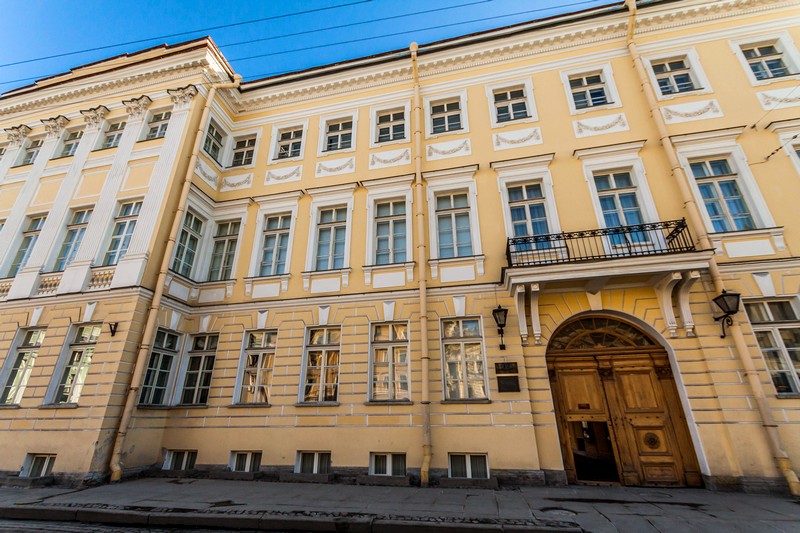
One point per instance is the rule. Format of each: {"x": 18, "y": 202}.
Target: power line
{"x": 200, "y": 30}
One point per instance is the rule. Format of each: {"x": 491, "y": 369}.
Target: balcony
{"x": 640, "y": 240}
{"x": 658, "y": 255}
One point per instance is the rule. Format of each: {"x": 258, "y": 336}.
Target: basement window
{"x": 180, "y": 459}
{"x": 37, "y": 465}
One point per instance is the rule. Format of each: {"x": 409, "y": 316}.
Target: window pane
{"x": 458, "y": 466}
{"x": 478, "y": 465}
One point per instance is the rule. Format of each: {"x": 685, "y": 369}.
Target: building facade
{"x": 298, "y": 276}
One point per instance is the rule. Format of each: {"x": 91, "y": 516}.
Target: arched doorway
{"x": 619, "y": 416}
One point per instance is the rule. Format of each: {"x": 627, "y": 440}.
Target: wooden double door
{"x": 620, "y": 419}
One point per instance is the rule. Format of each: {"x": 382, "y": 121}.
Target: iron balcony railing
{"x": 639, "y": 240}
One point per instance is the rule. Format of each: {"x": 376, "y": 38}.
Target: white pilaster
{"x": 76, "y": 276}
{"x": 16, "y": 139}
{"x": 130, "y": 268}
{"x": 27, "y": 280}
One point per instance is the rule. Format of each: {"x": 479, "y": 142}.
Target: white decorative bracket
{"x": 664, "y": 293}
{"x": 683, "y": 300}
{"x": 536, "y": 324}
{"x": 519, "y": 300}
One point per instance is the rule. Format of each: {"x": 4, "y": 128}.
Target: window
{"x": 472, "y": 466}
{"x": 463, "y": 359}
{"x": 390, "y": 125}
{"x": 157, "y": 127}
{"x": 159, "y": 367}
{"x": 77, "y": 366}
{"x": 290, "y": 143}
{"x": 313, "y": 462}
{"x": 390, "y": 232}
{"x": 3, "y": 148}
{"x": 31, "y": 151}
{"x": 765, "y": 60}
{"x": 331, "y": 236}
{"x": 725, "y": 204}
{"x": 23, "y": 358}
{"x": 72, "y": 240}
{"x": 29, "y": 237}
{"x": 258, "y": 361}
{"x": 213, "y": 143}
{"x": 588, "y": 90}
{"x": 526, "y": 204}
{"x": 125, "y": 223}
{"x": 180, "y": 459}
{"x": 199, "y": 365}
{"x": 673, "y": 75}
{"x": 276, "y": 242}
{"x": 619, "y": 203}
{"x": 71, "y": 143}
{"x": 224, "y": 250}
{"x": 38, "y": 465}
{"x": 321, "y": 379}
{"x": 387, "y": 464}
{"x": 113, "y": 134}
{"x": 777, "y": 331}
{"x": 446, "y": 116}
{"x": 453, "y": 225}
{"x": 245, "y": 461}
{"x": 390, "y": 371}
{"x": 243, "y": 151}
{"x": 186, "y": 248}
{"x": 338, "y": 134}
{"x": 510, "y": 104}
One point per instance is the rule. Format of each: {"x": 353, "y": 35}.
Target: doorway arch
{"x": 619, "y": 416}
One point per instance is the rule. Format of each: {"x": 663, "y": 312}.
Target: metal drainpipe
{"x": 782, "y": 460}
{"x": 422, "y": 255}
{"x": 152, "y": 314}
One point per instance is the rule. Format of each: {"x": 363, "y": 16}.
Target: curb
{"x": 267, "y": 521}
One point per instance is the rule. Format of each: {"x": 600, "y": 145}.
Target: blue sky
{"x": 298, "y": 35}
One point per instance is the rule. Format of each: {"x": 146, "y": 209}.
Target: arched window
{"x": 591, "y": 333}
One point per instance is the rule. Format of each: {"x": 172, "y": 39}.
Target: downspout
{"x": 422, "y": 256}
{"x": 780, "y": 456}
{"x": 152, "y": 313}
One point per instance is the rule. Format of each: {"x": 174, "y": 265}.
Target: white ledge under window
{"x": 202, "y": 292}
{"x": 326, "y": 280}
{"x": 471, "y": 261}
{"x": 749, "y": 243}
{"x": 266, "y": 286}
{"x": 369, "y": 269}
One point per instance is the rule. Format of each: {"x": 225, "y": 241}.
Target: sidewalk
{"x": 251, "y": 505}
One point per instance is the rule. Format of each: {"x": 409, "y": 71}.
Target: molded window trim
{"x": 453, "y": 181}
{"x": 336, "y": 118}
{"x": 607, "y": 73}
{"x": 19, "y": 363}
{"x": 270, "y": 206}
{"x": 277, "y": 130}
{"x": 381, "y": 191}
{"x": 376, "y": 111}
{"x": 261, "y": 344}
{"x": 429, "y": 101}
{"x": 327, "y": 198}
{"x": 523, "y": 171}
{"x": 527, "y": 86}
{"x": 783, "y": 43}
{"x": 695, "y": 69}
{"x": 461, "y": 338}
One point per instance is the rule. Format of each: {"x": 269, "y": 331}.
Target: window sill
{"x": 61, "y": 157}
{"x": 344, "y": 273}
{"x": 208, "y": 157}
{"x": 23, "y": 165}
{"x": 326, "y": 153}
{"x": 603, "y": 107}
{"x": 147, "y": 407}
{"x": 524, "y": 120}
{"x": 277, "y": 161}
{"x": 789, "y": 77}
{"x": 256, "y": 281}
{"x": 58, "y": 406}
{"x": 104, "y": 149}
{"x": 195, "y": 286}
{"x": 388, "y": 402}
{"x": 467, "y": 400}
{"x": 230, "y": 168}
{"x": 774, "y": 234}
{"x": 381, "y": 144}
{"x": 9, "y": 406}
{"x": 190, "y": 406}
{"x": 673, "y": 96}
{"x": 788, "y": 395}
{"x": 245, "y": 405}
{"x": 149, "y": 140}
{"x": 369, "y": 269}
{"x": 462, "y": 131}
{"x": 317, "y": 404}
{"x": 477, "y": 260}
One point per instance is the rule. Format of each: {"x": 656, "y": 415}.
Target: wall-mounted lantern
{"x": 728, "y": 302}
{"x": 500, "y": 316}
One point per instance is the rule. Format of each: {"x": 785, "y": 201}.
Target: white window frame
{"x": 17, "y": 347}
{"x": 380, "y": 191}
{"x": 304, "y": 367}
{"x": 468, "y": 464}
{"x": 240, "y": 374}
{"x": 773, "y": 327}
{"x": 783, "y": 42}
{"x": 343, "y": 116}
{"x": 317, "y": 453}
{"x": 521, "y": 171}
{"x": 67, "y": 141}
{"x": 446, "y": 340}
{"x": 27, "y": 147}
{"x": 169, "y": 460}
{"x": 223, "y": 140}
{"x": 176, "y": 357}
{"x": 452, "y": 181}
{"x": 608, "y": 77}
{"x": 461, "y": 96}
{"x": 228, "y": 240}
{"x": 374, "y": 111}
{"x": 267, "y": 206}
{"x": 151, "y": 113}
{"x": 696, "y": 72}
{"x": 619, "y": 158}
{"x": 103, "y": 250}
{"x": 389, "y": 464}
{"x": 107, "y": 132}
{"x": 725, "y": 146}
{"x": 61, "y": 365}
{"x": 27, "y": 466}
{"x": 241, "y": 136}
{"x": 326, "y": 198}
{"x": 183, "y": 366}
{"x": 250, "y": 460}
{"x": 530, "y": 102}
{"x": 26, "y": 230}
{"x": 274, "y": 138}
{"x": 56, "y": 251}
{"x": 390, "y": 343}
{"x": 200, "y": 237}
